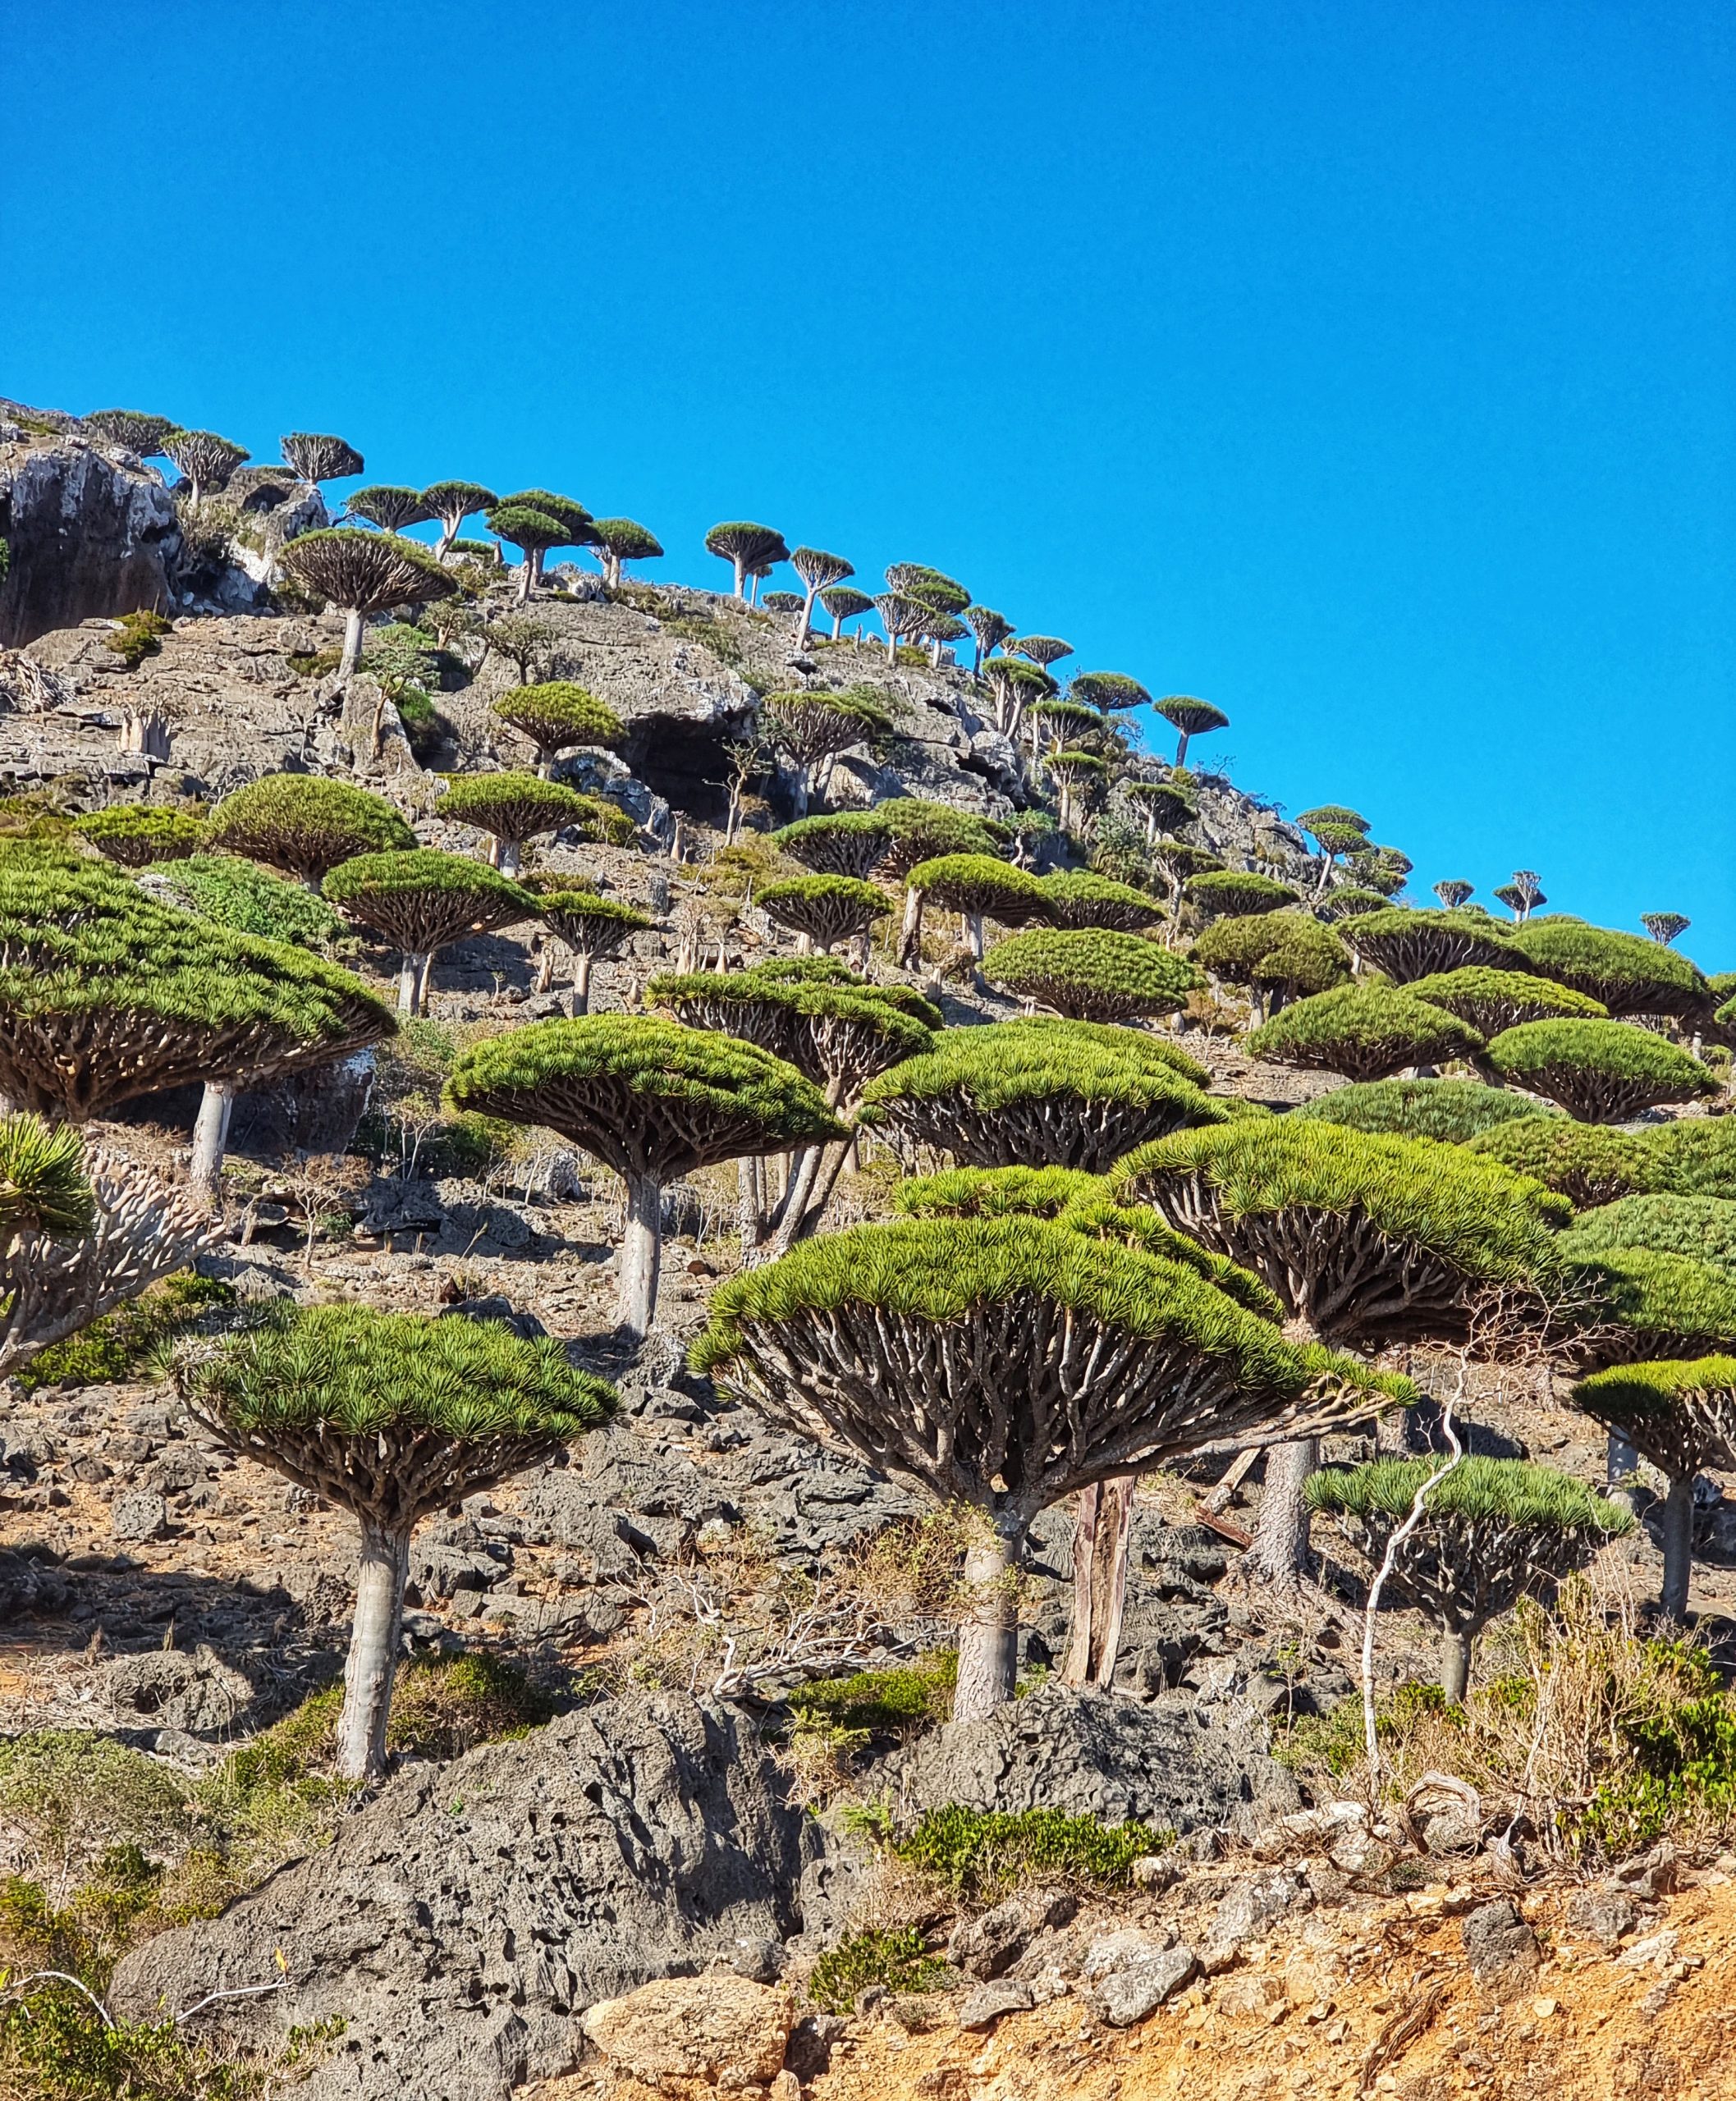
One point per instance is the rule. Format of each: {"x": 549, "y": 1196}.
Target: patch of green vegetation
{"x": 1334, "y": 1741}
{"x": 117, "y": 1346}
{"x": 709, "y": 633}
{"x": 978, "y": 1855}
{"x": 313, "y": 663}
{"x": 32, "y": 816}
{"x": 139, "y": 635}
{"x": 897, "y": 1961}
{"x": 895, "y": 1702}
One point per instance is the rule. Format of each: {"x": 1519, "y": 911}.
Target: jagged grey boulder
{"x": 462, "y": 1924}
{"x": 170, "y": 1689}
{"x": 1134, "y": 1994}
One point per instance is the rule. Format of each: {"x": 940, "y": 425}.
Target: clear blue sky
{"x": 1366, "y": 368}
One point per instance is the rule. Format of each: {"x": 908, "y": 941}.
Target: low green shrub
{"x": 139, "y": 635}
{"x": 895, "y": 1702}
{"x": 978, "y": 1855}
{"x": 896, "y": 1961}
{"x": 119, "y": 1345}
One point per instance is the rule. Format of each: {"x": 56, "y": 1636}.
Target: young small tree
{"x": 1493, "y": 1532}
{"x": 364, "y": 573}
{"x": 1405, "y": 945}
{"x": 1077, "y": 774}
{"x": 1230, "y": 892}
{"x": 1042, "y": 650}
{"x": 515, "y": 807}
{"x": 1454, "y": 895}
{"x": 421, "y": 900}
{"x": 620, "y": 540}
{"x": 133, "y": 428}
{"x": 1492, "y": 1000}
{"x": 818, "y": 571}
{"x": 932, "y": 1349}
{"x": 316, "y": 457}
{"x": 988, "y": 629}
{"x": 592, "y": 927}
{"x": 453, "y": 502}
{"x": 204, "y": 458}
{"x": 388, "y": 1416}
{"x": 534, "y": 520}
{"x": 1586, "y": 1163}
{"x": 559, "y": 717}
{"x": 1682, "y": 1416}
{"x": 136, "y": 833}
{"x": 978, "y": 887}
{"x": 824, "y": 909}
{"x": 1163, "y": 805}
{"x": 1074, "y": 899}
{"x": 1365, "y": 1032}
{"x": 1007, "y": 1094}
{"x": 1190, "y": 718}
{"x": 527, "y": 639}
{"x": 935, "y": 589}
{"x": 1016, "y": 687}
{"x": 307, "y": 824}
{"x": 1092, "y": 976}
{"x": 248, "y": 898}
{"x": 1666, "y": 927}
{"x": 1625, "y": 973}
{"x": 745, "y": 545}
{"x": 852, "y": 843}
{"x": 904, "y": 620}
{"x": 1110, "y": 692}
{"x": 805, "y": 727}
{"x": 1601, "y": 1072}
{"x": 942, "y": 629}
{"x": 1523, "y": 896}
{"x": 650, "y": 1099}
{"x": 389, "y": 506}
{"x": 1307, "y": 958}
{"x": 1336, "y": 831}
{"x": 844, "y": 602}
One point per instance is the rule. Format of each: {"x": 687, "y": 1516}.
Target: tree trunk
{"x": 1621, "y": 1470}
{"x": 804, "y": 624}
{"x": 988, "y": 1640}
{"x": 581, "y": 981}
{"x": 424, "y": 978}
{"x": 352, "y": 655}
{"x": 1678, "y": 1544}
{"x": 747, "y": 1205}
{"x": 374, "y": 1651}
{"x": 838, "y": 625}
{"x": 799, "y": 793}
{"x": 1455, "y": 1662}
{"x": 546, "y": 966}
{"x": 410, "y": 980}
{"x": 1280, "y": 1552}
{"x": 910, "y": 938}
{"x": 1181, "y": 751}
{"x": 741, "y": 576}
{"x": 1100, "y": 1533}
{"x": 973, "y": 934}
{"x": 506, "y": 860}
{"x": 641, "y": 1250}
{"x": 825, "y": 1182}
{"x": 525, "y": 573}
{"x": 210, "y": 1135}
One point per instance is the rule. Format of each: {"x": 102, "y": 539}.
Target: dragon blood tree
{"x": 136, "y": 833}
{"x": 1163, "y": 805}
{"x": 512, "y": 807}
{"x": 388, "y": 504}
{"x": 206, "y": 461}
{"x": 421, "y": 900}
{"x": 904, "y": 619}
{"x": 745, "y": 546}
{"x": 1492, "y": 1000}
{"x": 1680, "y": 1415}
{"x": 1666, "y": 927}
{"x": 1230, "y": 892}
{"x": 1004, "y": 1364}
{"x": 1600, "y": 1072}
{"x": 306, "y": 824}
{"x": 806, "y": 728}
{"x": 1454, "y": 1111}
{"x": 453, "y": 502}
{"x": 390, "y": 1416}
{"x": 988, "y": 630}
{"x": 819, "y": 571}
{"x": 1702, "y": 1227}
{"x": 851, "y": 843}
{"x": 650, "y": 1099}
{"x": 1014, "y": 686}
{"x": 1453, "y": 894}
{"x": 844, "y": 601}
{"x": 1190, "y": 718}
{"x": 1093, "y": 976}
{"x": 1404, "y": 945}
{"x": 1277, "y": 955}
{"x": 1625, "y": 973}
{"x": 317, "y": 457}
{"x": 592, "y": 925}
{"x": 364, "y": 573}
{"x": 1042, "y": 650}
{"x": 1078, "y": 775}
{"x": 1493, "y": 1532}
{"x": 80, "y": 1233}
{"x": 134, "y": 429}
{"x": 1336, "y": 831}
{"x": 978, "y": 887}
{"x": 1008, "y": 1096}
{"x": 1692, "y": 1156}
{"x": 1586, "y": 1163}
{"x": 618, "y": 540}
{"x": 1365, "y": 1241}
{"x": 1365, "y": 1032}
{"x": 1075, "y": 900}
{"x": 559, "y": 717}
{"x": 825, "y": 909}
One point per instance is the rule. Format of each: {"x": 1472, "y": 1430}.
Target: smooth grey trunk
{"x": 546, "y": 967}
{"x": 210, "y": 1136}
{"x": 352, "y": 655}
{"x": 747, "y": 1224}
{"x": 798, "y": 792}
{"x": 910, "y": 937}
{"x": 973, "y": 934}
{"x": 988, "y": 1639}
{"x": 1280, "y": 1549}
{"x": 739, "y": 562}
{"x": 424, "y": 979}
{"x": 1621, "y": 1472}
{"x": 1679, "y": 1545}
{"x": 411, "y": 972}
{"x": 838, "y": 625}
{"x": 581, "y": 981}
{"x": 825, "y": 1182}
{"x": 1181, "y": 752}
{"x": 641, "y": 1253}
{"x": 526, "y": 574}
{"x": 374, "y": 1651}
{"x": 507, "y": 855}
{"x": 806, "y": 621}
{"x": 1455, "y": 1662}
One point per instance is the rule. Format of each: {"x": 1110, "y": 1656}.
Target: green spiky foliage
{"x": 807, "y": 727}
{"x": 365, "y": 572}
{"x": 421, "y": 900}
{"x": 1163, "y": 805}
{"x": 306, "y": 824}
{"x": 592, "y": 927}
{"x": 1493, "y": 1532}
{"x": 1179, "y": 863}
{"x": 649, "y": 1098}
{"x": 621, "y": 540}
{"x": 1693, "y": 1156}
{"x": 205, "y": 460}
{"x": 996, "y": 1192}
{"x": 1367, "y": 1239}
{"x": 928, "y": 831}
{"x": 1365, "y": 1032}
{"x": 749, "y": 549}
{"x": 135, "y": 834}
{"x": 534, "y": 528}
{"x": 390, "y": 1416}
{"x": 1136, "y": 1046}
{"x": 1288, "y": 953}
{"x": 43, "y": 1188}
{"x": 1454, "y": 1111}
{"x": 1492, "y": 1000}
{"x": 1626, "y": 1304}
{"x": 1230, "y": 892}
{"x": 933, "y": 586}
{"x": 106, "y": 994}
{"x": 1586, "y": 1163}
{"x": 1406, "y": 945}
{"x": 1001, "y": 1096}
{"x": 1110, "y": 692}
{"x": 851, "y": 842}
{"x": 1092, "y": 976}
{"x": 978, "y": 887}
{"x": 1340, "y": 814}
{"x": 1702, "y": 1227}
{"x": 1626, "y": 974}
{"x": 1600, "y": 1072}
{"x": 1348, "y": 901}
{"x": 1190, "y": 718}
{"x": 1074, "y": 899}
{"x": 1042, "y": 650}
{"x": 134, "y": 428}
{"x": 559, "y": 716}
{"x": 247, "y": 900}
{"x": 453, "y": 502}
{"x": 832, "y": 1026}
{"x": 389, "y": 506}
{"x": 316, "y": 456}
{"x": 515, "y": 807}
{"x": 844, "y": 601}
{"x": 826, "y": 910}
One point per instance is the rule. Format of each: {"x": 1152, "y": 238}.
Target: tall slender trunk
{"x": 747, "y": 1215}
{"x": 910, "y": 938}
{"x": 1455, "y": 1662}
{"x": 424, "y": 979}
{"x": 799, "y": 793}
{"x": 581, "y": 981}
{"x": 374, "y": 1651}
{"x": 210, "y": 1136}
{"x": 641, "y": 1253}
{"x": 410, "y": 971}
{"x": 988, "y": 1640}
{"x": 448, "y": 534}
{"x": 1181, "y": 752}
{"x": 352, "y": 655}
{"x": 506, "y": 856}
{"x": 838, "y": 625}
{"x": 891, "y": 649}
{"x": 1621, "y": 1470}
{"x": 1280, "y": 1552}
{"x": 824, "y": 1183}
{"x": 806, "y": 622}
{"x": 973, "y": 934}
{"x": 1678, "y": 1544}
{"x": 741, "y": 576}
{"x": 1101, "y": 1532}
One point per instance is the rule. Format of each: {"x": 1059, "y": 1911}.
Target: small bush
{"x": 978, "y": 1855}
{"x": 139, "y": 635}
{"x": 117, "y": 1346}
{"x": 896, "y": 1702}
{"x": 898, "y": 1961}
